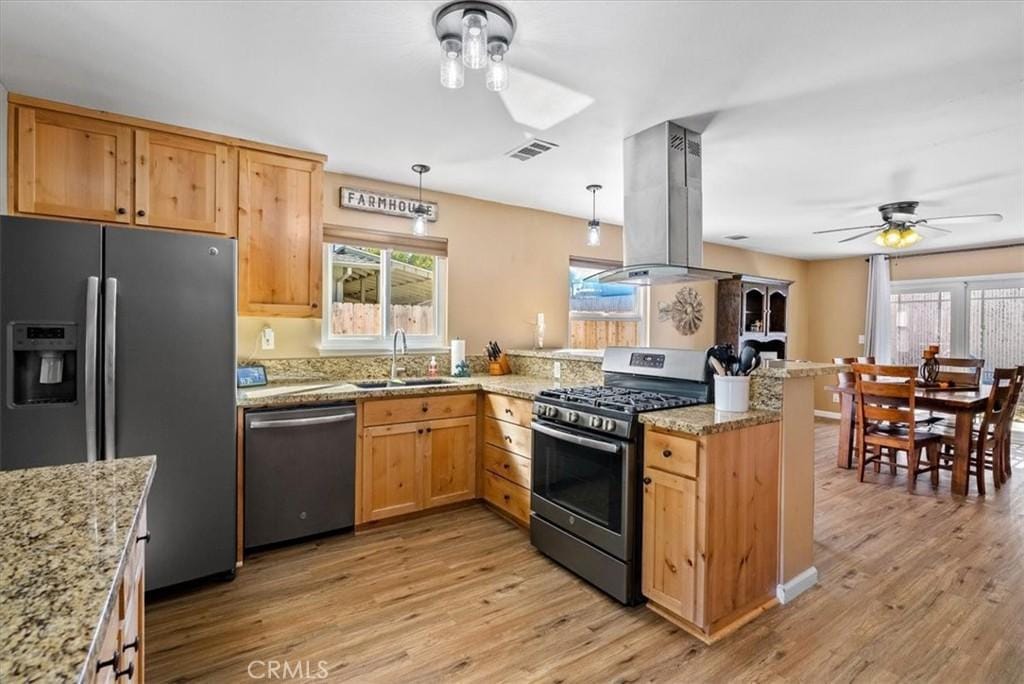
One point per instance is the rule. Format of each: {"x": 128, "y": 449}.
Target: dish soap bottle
{"x": 432, "y": 368}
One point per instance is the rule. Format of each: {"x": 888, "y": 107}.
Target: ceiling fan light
{"x": 474, "y": 39}
{"x": 880, "y": 239}
{"x": 891, "y": 236}
{"x": 908, "y": 237}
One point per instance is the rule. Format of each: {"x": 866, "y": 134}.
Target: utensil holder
{"x": 732, "y": 393}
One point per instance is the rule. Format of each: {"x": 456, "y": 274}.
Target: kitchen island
{"x": 71, "y": 583}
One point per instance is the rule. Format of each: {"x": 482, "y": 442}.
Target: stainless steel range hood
{"x": 662, "y": 236}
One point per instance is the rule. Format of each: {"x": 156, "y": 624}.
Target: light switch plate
{"x": 835, "y": 398}
{"x": 556, "y": 370}
{"x": 267, "y": 338}
{"x": 860, "y": 339}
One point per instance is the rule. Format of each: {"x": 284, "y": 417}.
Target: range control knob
{"x": 595, "y": 422}
{"x": 609, "y": 425}
{"x": 573, "y": 416}
{"x": 552, "y": 412}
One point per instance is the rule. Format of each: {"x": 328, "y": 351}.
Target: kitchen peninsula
{"x": 72, "y": 582}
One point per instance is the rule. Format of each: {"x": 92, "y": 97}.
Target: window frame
{"x": 383, "y": 343}
{"x": 959, "y": 310}
{"x": 641, "y": 314}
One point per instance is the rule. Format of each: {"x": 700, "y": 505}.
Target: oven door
{"x": 585, "y": 484}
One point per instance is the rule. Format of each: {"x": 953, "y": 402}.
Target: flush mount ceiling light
{"x": 419, "y": 224}
{"x": 593, "y": 226}
{"x": 475, "y": 35}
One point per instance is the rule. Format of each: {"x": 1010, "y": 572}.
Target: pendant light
{"x": 594, "y": 226}
{"x": 419, "y": 224}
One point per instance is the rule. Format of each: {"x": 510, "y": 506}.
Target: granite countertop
{"x": 595, "y": 356}
{"x": 65, "y": 533}
{"x": 293, "y": 394}
{"x": 703, "y": 419}
{"x": 797, "y": 369}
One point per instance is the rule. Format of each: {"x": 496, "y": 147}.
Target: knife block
{"x": 500, "y": 367}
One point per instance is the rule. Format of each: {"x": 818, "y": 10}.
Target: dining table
{"x": 962, "y": 403}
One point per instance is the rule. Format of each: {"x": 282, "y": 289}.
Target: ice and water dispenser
{"x": 43, "y": 362}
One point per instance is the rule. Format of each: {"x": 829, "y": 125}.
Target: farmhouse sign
{"x": 380, "y": 203}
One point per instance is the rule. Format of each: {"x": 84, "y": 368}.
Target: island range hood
{"x": 662, "y": 233}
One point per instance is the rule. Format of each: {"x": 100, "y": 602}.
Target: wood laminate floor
{"x": 920, "y": 587}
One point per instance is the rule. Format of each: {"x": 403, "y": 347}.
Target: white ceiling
{"x": 812, "y": 113}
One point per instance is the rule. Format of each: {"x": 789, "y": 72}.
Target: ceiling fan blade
{"x": 967, "y": 218}
{"x": 857, "y": 237}
{"x": 923, "y": 223}
{"x": 842, "y": 230}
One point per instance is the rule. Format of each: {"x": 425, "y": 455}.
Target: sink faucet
{"x": 395, "y": 370}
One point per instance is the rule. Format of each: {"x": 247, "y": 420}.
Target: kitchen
{"x": 495, "y": 434}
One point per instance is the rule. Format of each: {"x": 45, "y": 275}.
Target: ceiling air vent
{"x": 532, "y": 149}
{"x": 737, "y": 237}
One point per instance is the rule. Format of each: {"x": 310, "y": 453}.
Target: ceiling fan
{"x": 899, "y": 225}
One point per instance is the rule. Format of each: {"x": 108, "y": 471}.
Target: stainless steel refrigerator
{"x": 120, "y": 342}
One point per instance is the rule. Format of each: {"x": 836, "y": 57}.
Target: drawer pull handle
{"x": 647, "y": 480}
{"x": 505, "y": 466}
{"x": 508, "y": 411}
{"x": 671, "y": 566}
{"x": 144, "y": 538}
{"x": 112, "y": 663}
{"x": 666, "y": 453}
{"x": 508, "y": 439}
{"x": 132, "y": 645}
{"x": 507, "y": 497}
{"x": 127, "y": 672}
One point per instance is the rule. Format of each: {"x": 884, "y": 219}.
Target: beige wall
{"x": 838, "y": 292}
{"x": 726, "y": 258}
{"x": 506, "y": 264}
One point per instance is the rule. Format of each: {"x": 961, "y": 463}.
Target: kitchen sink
{"x": 411, "y": 382}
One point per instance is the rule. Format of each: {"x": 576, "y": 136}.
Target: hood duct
{"x": 662, "y": 233}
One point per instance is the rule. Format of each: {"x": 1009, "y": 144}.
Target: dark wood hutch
{"x": 752, "y": 311}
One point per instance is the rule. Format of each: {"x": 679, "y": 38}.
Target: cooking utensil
{"x": 717, "y": 365}
{"x": 747, "y": 356}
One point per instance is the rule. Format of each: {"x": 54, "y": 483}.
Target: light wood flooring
{"x": 920, "y": 587}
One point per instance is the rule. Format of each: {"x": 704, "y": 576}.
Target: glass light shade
{"x": 909, "y": 237}
{"x": 419, "y": 224}
{"x": 453, "y": 74}
{"x": 593, "y": 233}
{"x": 497, "y": 74}
{"x": 474, "y": 39}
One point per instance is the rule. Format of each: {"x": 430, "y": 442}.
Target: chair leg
{"x": 893, "y": 457}
{"x": 913, "y": 460}
{"x": 878, "y": 461}
{"x": 862, "y": 457}
{"x": 933, "y": 461}
{"x": 979, "y": 471}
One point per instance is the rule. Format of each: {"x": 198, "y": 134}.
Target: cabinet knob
{"x": 425, "y": 407}
{"x": 140, "y": 212}
{"x": 429, "y": 429}
{"x": 144, "y": 538}
{"x": 507, "y": 497}
{"x": 127, "y": 672}
{"x": 314, "y": 305}
{"x": 666, "y": 453}
{"x": 122, "y": 211}
{"x": 647, "y": 480}
{"x": 420, "y": 431}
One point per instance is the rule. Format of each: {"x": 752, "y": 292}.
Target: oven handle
{"x": 577, "y": 439}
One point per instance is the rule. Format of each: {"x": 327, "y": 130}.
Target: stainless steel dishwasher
{"x": 299, "y": 472}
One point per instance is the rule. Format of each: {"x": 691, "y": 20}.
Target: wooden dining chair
{"x": 989, "y": 438}
{"x": 886, "y": 419}
{"x": 965, "y": 372}
{"x": 846, "y": 379}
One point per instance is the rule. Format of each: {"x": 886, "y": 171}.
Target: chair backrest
{"x": 885, "y": 394}
{"x": 960, "y": 371}
{"x": 998, "y": 416}
{"x": 845, "y": 377}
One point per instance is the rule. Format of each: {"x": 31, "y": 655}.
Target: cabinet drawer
{"x": 508, "y": 496}
{"x": 508, "y": 465}
{"x": 670, "y": 453}
{"x": 518, "y": 440}
{"x": 388, "y": 411}
{"x": 108, "y": 650}
{"x": 509, "y": 409}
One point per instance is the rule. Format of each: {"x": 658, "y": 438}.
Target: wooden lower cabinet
{"x": 121, "y": 654}
{"x": 408, "y": 467}
{"x": 710, "y": 540}
{"x": 506, "y": 450}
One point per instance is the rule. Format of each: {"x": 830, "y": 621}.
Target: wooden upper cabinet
{"x": 280, "y": 234}
{"x": 73, "y": 166}
{"x": 185, "y": 183}
{"x": 450, "y": 461}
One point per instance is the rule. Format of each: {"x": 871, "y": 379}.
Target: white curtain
{"x": 877, "y": 319}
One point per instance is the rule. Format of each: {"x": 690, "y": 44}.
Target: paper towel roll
{"x": 458, "y": 353}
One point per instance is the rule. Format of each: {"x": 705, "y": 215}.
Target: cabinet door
{"x": 183, "y": 182}
{"x": 449, "y": 461}
{"x": 669, "y": 541}
{"x": 280, "y": 235}
{"x": 391, "y": 470}
{"x": 72, "y": 166}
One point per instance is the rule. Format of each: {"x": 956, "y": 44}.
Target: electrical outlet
{"x": 860, "y": 339}
{"x": 835, "y": 397}
{"x": 267, "y": 338}
{"x": 556, "y": 370}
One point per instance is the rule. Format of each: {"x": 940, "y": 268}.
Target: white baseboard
{"x": 834, "y": 415}
{"x": 796, "y": 586}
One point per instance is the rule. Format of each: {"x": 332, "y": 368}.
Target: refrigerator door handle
{"x": 92, "y": 309}
{"x": 109, "y": 369}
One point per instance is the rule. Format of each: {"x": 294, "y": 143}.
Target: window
{"x": 979, "y": 317}
{"x": 372, "y": 289}
{"x": 603, "y": 315}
